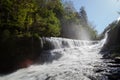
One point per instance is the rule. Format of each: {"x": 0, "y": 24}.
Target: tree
{"x": 83, "y": 16}
{"x": 24, "y": 16}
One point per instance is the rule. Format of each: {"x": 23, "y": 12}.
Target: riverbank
{"x": 18, "y": 53}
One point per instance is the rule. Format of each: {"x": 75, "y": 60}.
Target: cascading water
{"x": 65, "y": 59}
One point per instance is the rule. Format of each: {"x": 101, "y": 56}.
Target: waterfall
{"x": 59, "y": 43}
{"x": 64, "y": 59}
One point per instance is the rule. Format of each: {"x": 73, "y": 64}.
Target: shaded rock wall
{"x": 113, "y": 40}
{"x": 17, "y": 53}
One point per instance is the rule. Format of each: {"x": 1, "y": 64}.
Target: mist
{"x": 83, "y": 34}
{"x": 75, "y": 31}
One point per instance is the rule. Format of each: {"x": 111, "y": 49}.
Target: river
{"x": 66, "y": 59}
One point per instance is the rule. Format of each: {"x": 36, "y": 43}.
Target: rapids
{"x": 65, "y": 59}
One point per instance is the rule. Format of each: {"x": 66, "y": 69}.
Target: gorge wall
{"x": 112, "y": 45}
{"x": 113, "y": 39}
{"x": 18, "y": 53}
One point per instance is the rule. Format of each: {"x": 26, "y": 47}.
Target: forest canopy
{"x": 44, "y": 18}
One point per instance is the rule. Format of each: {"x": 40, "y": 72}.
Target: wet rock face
{"x": 113, "y": 36}
{"x": 113, "y": 39}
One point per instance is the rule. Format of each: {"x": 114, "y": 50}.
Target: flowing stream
{"x": 66, "y": 59}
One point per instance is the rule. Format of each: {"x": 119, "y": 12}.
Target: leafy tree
{"x": 24, "y": 16}
{"x": 83, "y": 16}
{"x": 47, "y": 24}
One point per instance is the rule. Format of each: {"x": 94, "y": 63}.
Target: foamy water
{"x": 65, "y": 59}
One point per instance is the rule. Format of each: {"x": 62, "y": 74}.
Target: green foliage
{"x": 29, "y": 17}
{"x": 47, "y": 24}
{"x": 41, "y": 17}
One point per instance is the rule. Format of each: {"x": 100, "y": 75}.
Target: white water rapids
{"x": 65, "y": 59}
